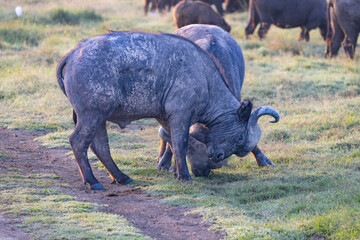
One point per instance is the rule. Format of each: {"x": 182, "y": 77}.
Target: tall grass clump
{"x": 62, "y": 16}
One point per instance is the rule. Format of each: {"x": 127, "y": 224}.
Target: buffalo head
{"x": 239, "y": 138}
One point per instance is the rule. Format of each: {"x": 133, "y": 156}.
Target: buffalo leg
{"x": 80, "y": 140}
{"x": 165, "y": 152}
{"x": 146, "y": 6}
{"x": 302, "y": 34}
{"x": 254, "y": 20}
{"x": 165, "y": 158}
{"x": 263, "y": 30}
{"x": 218, "y": 5}
{"x": 179, "y": 137}
{"x": 337, "y": 35}
{"x": 261, "y": 159}
{"x": 350, "y": 43}
{"x": 162, "y": 148}
{"x": 100, "y": 147}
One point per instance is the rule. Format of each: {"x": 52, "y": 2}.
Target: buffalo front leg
{"x": 165, "y": 160}
{"x": 337, "y": 36}
{"x": 263, "y": 30}
{"x": 179, "y": 138}
{"x": 261, "y": 159}
{"x": 80, "y": 140}
{"x": 162, "y": 149}
{"x": 100, "y": 147}
{"x": 165, "y": 152}
{"x": 304, "y": 34}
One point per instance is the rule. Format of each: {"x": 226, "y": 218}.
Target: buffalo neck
{"x": 222, "y": 104}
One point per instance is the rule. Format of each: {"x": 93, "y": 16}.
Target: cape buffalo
{"x": 343, "y": 22}
{"x": 227, "y": 56}
{"x": 307, "y": 14}
{"x": 236, "y": 5}
{"x": 189, "y": 12}
{"x": 159, "y": 4}
{"x": 218, "y": 5}
{"x": 125, "y": 76}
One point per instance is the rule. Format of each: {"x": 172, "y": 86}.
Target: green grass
{"x": 312, "y": 193}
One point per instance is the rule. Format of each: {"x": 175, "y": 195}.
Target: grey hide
{"x": 126, "y": 76}
{"x": 228, "y": 58}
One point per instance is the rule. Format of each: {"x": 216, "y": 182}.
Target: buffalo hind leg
{"x": 100, "y": 147}
{"x": 261, "y": 159}
{"x": 80, "y": 140}
{"x": 337, "y": 35}
{"x": 254, "y": 20}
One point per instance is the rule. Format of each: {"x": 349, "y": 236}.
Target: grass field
{"x": 314, "y": 191}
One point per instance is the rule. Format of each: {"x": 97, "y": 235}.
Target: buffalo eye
{"x": 239, "y": 140}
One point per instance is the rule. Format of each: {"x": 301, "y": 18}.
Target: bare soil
{"x": 143, "y": 211}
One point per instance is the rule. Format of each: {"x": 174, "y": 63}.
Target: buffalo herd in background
{"x": 192, "y": 78}
{"x": 338, "y": 20}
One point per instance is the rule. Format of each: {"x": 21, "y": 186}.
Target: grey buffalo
{"x": 307, "y": 14}
{"x": 228, "y": 58}
{"x": 343, "y": 22}
{"x": 126, "y": 76}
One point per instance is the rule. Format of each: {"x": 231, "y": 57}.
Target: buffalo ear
{"x": 244, "y": 111}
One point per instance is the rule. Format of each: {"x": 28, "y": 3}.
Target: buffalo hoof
{"x": 262, "y": 162}
{"x": 96, "y": 186}
{"x": 184, "y": 177}
{"x": 126, "y": 180}
{"x": 165, "y": 167}
{"x": 164, "y": 164}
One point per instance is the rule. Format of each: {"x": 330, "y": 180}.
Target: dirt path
{"x": 143, "y": 211}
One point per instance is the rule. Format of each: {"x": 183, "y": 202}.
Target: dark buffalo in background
{"x": 189, "y": 12}
{"x": 236, "y": 5}
{"x": 161, "y": 5}
{"x": 217, "y": 3}
{"x": 343, "y": 23}
{"x": 307, "y": 14}
{"x": 125, "y": 76}
{"x": 228, "y": 58}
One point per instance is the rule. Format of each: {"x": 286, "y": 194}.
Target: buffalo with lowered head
{"x": 189, "y": 12}
{"x": 307, "y": 14}
{"x": 228, "y": 58}
{"x": 126, "y": 76}
{"x": 343, "y": 23}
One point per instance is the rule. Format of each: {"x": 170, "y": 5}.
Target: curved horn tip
{"x": 276, "y": 119}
